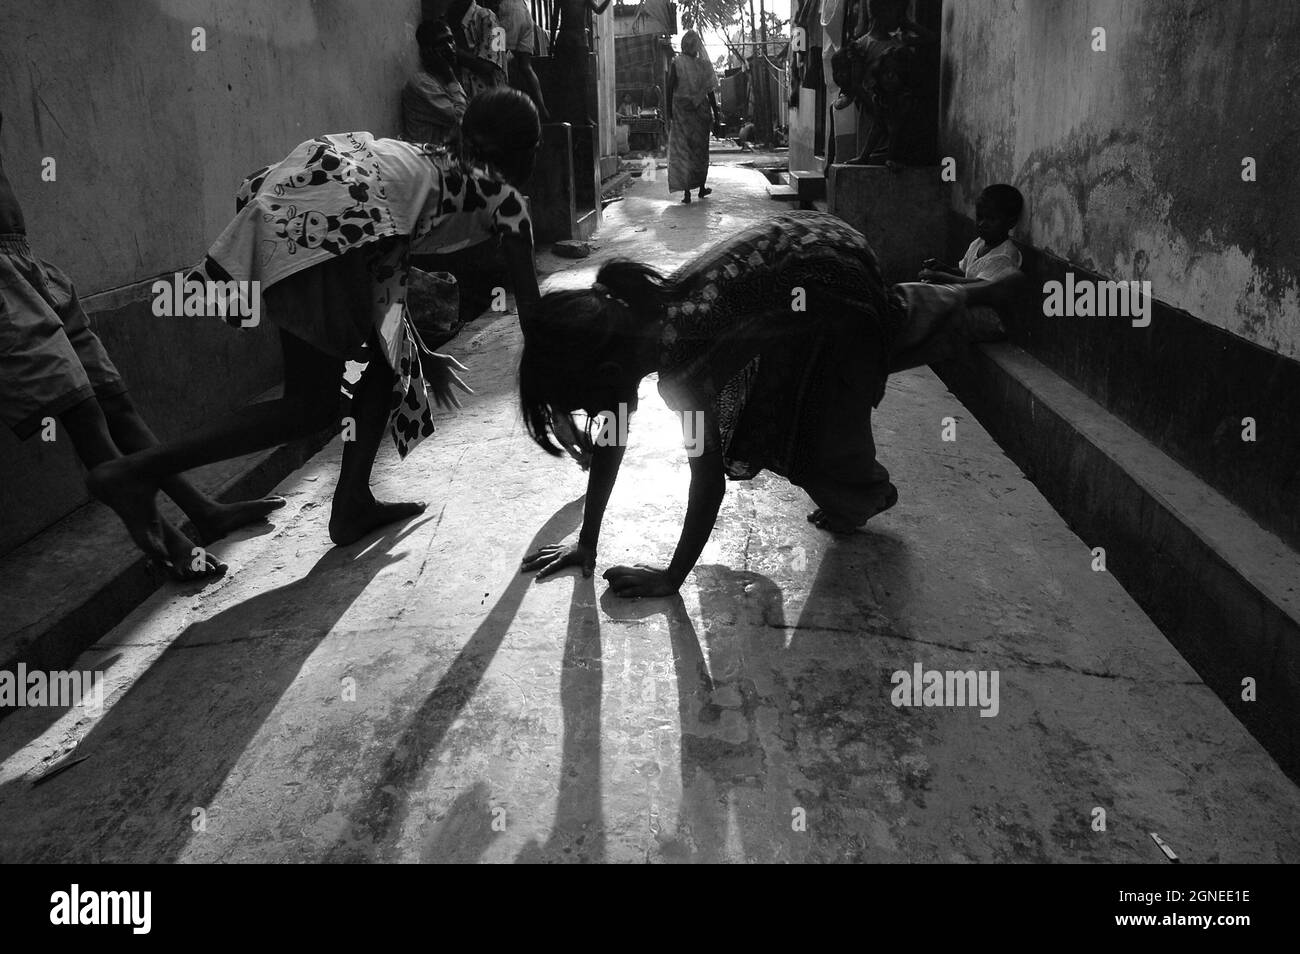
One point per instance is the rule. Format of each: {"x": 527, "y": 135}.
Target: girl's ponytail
{"x": 636, "y": 284}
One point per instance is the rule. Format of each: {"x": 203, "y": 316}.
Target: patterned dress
{"x": 334, "y": 225}
{"x": 781, "y": 337}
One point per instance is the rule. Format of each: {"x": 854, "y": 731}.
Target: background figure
{"x": 745, "y": 138}
{"x": 572, "y": 46}
{"x": 881, "y": 79}
{"x": 692, "y": 108}
{"x": 433, "y": 101}
{"x": 521, "y": 46}
{"x": 481, "y": 67}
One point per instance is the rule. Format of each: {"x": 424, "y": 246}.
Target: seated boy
{"x": 991, "y": 257}
{"x": 53, "y": 366}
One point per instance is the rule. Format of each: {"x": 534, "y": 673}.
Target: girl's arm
{"x": 672, "y": 85}
{"x": 550, "y": 559}
{"x": 708, "y": 487}
{"x": 518, "y": 251}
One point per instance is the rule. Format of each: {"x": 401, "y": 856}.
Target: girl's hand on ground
{"x": 440, "y": 371}
{"x": 554, "y": 557}
{"x": 640, "y": 580}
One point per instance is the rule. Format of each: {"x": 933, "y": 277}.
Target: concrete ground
{"x": 414, "y": 698}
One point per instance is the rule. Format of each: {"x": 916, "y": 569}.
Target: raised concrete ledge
{"x": 1225, "y": 592}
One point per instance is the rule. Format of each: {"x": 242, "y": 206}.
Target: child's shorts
{"x": 50, "y": 360}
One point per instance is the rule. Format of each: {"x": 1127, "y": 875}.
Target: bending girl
{"x": 780, "y": 338}
{"x": 328, "y": 232}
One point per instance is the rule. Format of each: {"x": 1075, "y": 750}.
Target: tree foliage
{"x": 709, "y": 14}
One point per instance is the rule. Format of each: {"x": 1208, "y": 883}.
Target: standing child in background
{"x": 53, "y": 366}
{"x": 481, "y": 67}
{"x": 572, "y": 46}
{"x": 882, "y": 82}
{"x": 521, "y": 46}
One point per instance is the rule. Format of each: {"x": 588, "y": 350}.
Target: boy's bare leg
{"x": 356, "y": 512}
{"x": 213, "y": 520}
{"x": 310, "y": 404}
{"x": 91, "y": 437}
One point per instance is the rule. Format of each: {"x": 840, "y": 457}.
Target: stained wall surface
{"x": 1131, "y": 158}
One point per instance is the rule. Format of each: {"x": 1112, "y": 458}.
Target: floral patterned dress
{"x": 335, "y": 224}
{"x": 781, "y": 337}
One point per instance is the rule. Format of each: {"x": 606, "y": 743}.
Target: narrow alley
{"x": 414, "y": 697}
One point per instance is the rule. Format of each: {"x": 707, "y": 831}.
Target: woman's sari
{"x": 688, "y": 140}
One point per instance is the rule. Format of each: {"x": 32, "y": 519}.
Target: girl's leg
{"x": 311, "y": 401}
{"x": 356, "y": 512}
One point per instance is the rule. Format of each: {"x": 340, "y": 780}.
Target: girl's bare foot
{"x": 349, "y": 524}
{"x": 825, "y": 520}
{"x": 226, "y": 517}
{"x": 185, "y": 561}
{"x": 832, "y": 522}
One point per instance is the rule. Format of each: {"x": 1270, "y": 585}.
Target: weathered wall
{"x": 1130, "y": 159}
{"x": 150, "y": 141}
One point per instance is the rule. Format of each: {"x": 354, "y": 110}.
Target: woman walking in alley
{"x": 328, "y": 232}
{"x": 692, "y": 108}
{"x": 773, "y": 345}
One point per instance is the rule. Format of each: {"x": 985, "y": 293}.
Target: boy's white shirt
{"x": 979, "y": 262}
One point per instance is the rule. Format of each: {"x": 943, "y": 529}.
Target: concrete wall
{"x": 607, "y": 109}
{"x": 150, "y": 140}
{"x": 803, "y": 120}
{"x": 1131, "y": 159}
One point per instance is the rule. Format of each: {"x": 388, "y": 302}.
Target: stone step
{"x": 783, "y": 193}
{"x": 810, "y": 184}
{"x": 1223, "y": 590}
